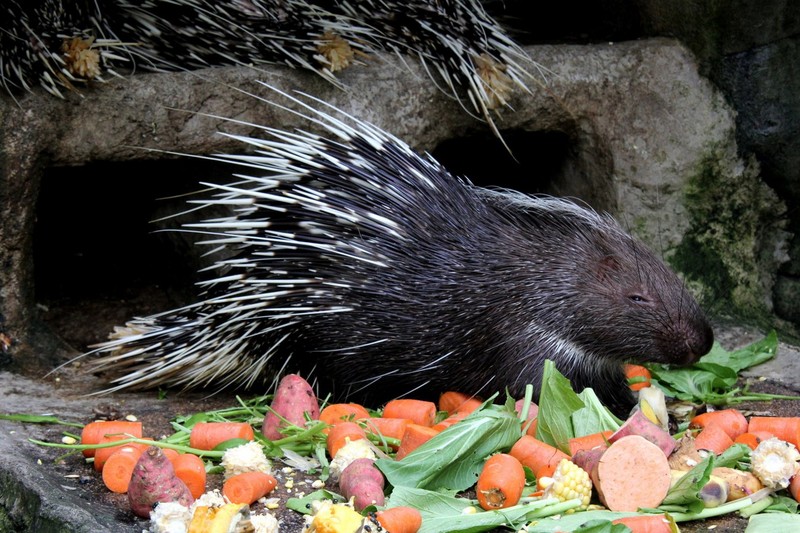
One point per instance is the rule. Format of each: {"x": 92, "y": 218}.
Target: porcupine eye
{"x": 638, "y": 298}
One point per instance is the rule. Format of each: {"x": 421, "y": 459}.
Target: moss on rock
{"x": 735, "y": 243}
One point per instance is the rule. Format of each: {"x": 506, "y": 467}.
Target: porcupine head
{"x": 592, "y": 298}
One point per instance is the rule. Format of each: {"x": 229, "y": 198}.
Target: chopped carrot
{"x": 587, "y": 442}
{"x": 118, "y": 468}
{"x": 500, "y": 482}
{"x": 532, "y": 419}
{"x": 414, "y": 437}
{"x": 752, "y": 439}
{"x": 785, "y": 428}
{"x": 731, "y": 420}
{"x": 794, "y": 487}
{"x": 170, "y": 454}
{"x": 334, "y": 413}
{"x": 638, "y": 376}
{"x": 392, "y": 428}
{"x": 209, "y": 435}
{"x": 191, "y": 470}
{"x": 400, "y": 519}
{"x": 713, "y": 437}
{"x": 418, "y": 411}
{"x": 455, "y": 402}
{"x": 248, "y": 487}
{"x": 101, "y": 455}
{"x": 539, "y": 456}
{"x": 653, "y": 523}
{"x": 458, "y": 416}
{"x": 341, "y": 434}
{"x": 94, "y": 431}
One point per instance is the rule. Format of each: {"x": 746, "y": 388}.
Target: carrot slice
{"x": 341, "y": 434}
{"x": 533, "y": 413}
{"x": 539, "y": 456}
{"x": 118, "y": 468}
{"x": 654, "y": 523}
{"x": 208, "y": 435}
{"x": 392, "y": 428}
{"x": 418, "y": 411}
{"x": 248, "y": 487}
{"x": 713, "y": 437}
{"x": 458, "y": 416}
{"x": 731, "y": 420}
{"x": 786, "y": 428}
{"x": 638, "y": 376}
{"x": 794, "y": 487}
{"x": 500, "y": 482}
{"x": 414, "y": 437}
{"x": 191, "y": 470}
{"x": 400, "y": 519}
{"x": 101, "y": 455}
{"x": 170, "y": 454}
{"x": 455, "y": 402}
{"x": 334, "y": 413}
{"x": 752, "y": 439}
{"x": 94, "y": 431}
{"x": 587, "y": 442}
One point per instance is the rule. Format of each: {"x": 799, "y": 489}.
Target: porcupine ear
{"x": 608, "y": 268}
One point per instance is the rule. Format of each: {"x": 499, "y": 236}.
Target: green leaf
{"x": 557, "y": 402}
{"x": 445, "y": 513}
{"x": 39, "y": 419}
{"x": 594, "y": 417}
{"x": 574, "y": 521}
{"x": 303, "y": 505}
{"x": 453, "y": 458}
{"x": 772, "y": 522}
{"x": 751, "y": 355}
{"x": 711, "y": 379}
{"x": 684, "y": 491}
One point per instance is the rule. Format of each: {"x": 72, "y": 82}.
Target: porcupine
{"x": 372, "y": 270}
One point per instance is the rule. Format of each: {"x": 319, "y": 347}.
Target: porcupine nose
{"x": 699, "y": 341}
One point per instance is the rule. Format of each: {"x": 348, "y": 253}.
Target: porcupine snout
{"x": 699, "y": 339}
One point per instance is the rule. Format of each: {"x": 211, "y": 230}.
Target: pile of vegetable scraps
{"x": 466, "y": 464}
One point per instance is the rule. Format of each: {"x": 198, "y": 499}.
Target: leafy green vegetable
{"x": 772, "y": 522}
{"x": 713, "y": 378}
{"x": 575, "y": 521}
{"x": 445, "y": 513}
{"x": 594, "y": 417}
{"x": 39, "y": 419}
{"x": 564, "y": 414}
{"x": 453, "y": 458}
{"x": 303, "y": 505}
{"x": 557, "y": 402}
{"x": 601, "y": 526}
{"x": 684, "y": 492}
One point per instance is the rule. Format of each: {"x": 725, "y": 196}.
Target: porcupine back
{"x": 374, "y": 271}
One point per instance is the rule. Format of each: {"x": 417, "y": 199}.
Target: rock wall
{"x": 649, "y": 140}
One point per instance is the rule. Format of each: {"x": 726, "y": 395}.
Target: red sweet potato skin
{"x": 639, "y": 424}
{"x": 154, "y": 480}
{"x": 293, "y": 398}
{"x": 363, "y": 482}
